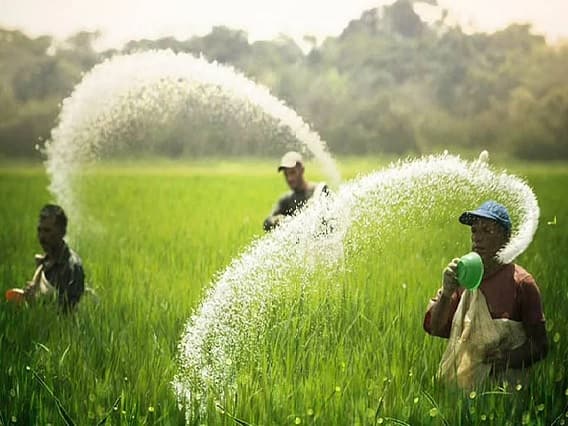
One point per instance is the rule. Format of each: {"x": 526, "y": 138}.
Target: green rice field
{"x": 153, "y": 238}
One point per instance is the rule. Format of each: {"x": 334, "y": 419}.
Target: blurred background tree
{"x": 389, "y": 83}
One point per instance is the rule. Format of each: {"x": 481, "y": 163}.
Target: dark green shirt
{"x": 291, "y": 202}
{"x": 67, "y": 276}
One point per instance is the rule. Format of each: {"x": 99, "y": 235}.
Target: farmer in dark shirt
{"x": 59, "y": 270}
{"x": 301, "y": 190}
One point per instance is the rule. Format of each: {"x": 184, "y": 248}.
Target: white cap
{"x": 289, "y": 160}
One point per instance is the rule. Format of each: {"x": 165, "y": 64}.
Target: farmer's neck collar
{"x": 54, "y": 254}
{"x": 491, "y": 266}
{"x": 303, "y": 187}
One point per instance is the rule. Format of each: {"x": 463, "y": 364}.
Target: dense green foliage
{"x": 390, "y": 83}
{"x": 156, "y": 237}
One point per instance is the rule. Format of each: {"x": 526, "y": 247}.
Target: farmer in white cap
{"x": 292, "y": 165}
{"x": 497, "y": 330}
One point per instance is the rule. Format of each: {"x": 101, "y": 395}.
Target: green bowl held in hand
{"x": 470, "y": 270}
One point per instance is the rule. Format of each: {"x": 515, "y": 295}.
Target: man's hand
{"x": 449, "y": 278}
{"x": 277, "y": 219}
{"x": 39, "y": 258}
{"x": 29, "y": 291}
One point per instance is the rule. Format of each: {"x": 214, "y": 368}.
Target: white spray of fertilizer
{"x": 221, "y": 337}
{"x": 132, "y": 99}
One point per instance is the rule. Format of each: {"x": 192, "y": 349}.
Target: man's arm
{"x": 438, "y": 319}
{"x": 32, "y": 286}
{"x": 74, "y": 287}
{"x": 536, "y": 346}
{"x": 276, "y": 216}
{"x": 533, "y": 350}
{"x": 272, "y": 222}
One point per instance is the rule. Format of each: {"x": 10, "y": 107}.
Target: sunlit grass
{"x": 350, "y": 351}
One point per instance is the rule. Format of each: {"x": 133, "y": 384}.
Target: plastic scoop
{"x": 15, "y": 295}
{"x": 470, "y": 270}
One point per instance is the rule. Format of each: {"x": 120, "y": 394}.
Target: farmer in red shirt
{"x": 510, "y": 292}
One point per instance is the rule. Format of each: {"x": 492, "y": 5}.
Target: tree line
{"x": 389, "y": 83}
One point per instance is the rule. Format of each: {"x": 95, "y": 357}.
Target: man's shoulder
{"x": 325, "y": 189}
{"x": 286, "y": 197}
{"x": 319, "y": 188}
{"x": 521, "y": 273}
{"x": 523, "y": 278}
{"x": 74, "y": 259}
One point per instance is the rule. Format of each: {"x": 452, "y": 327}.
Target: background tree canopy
{"x": 390, "y": 83}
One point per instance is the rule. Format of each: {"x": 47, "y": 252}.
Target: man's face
{"x": 294, "y": 177}
{"x": 487, "y": 238}
{"x": 49, "y": 234}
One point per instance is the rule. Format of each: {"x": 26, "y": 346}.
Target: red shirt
{"x": 510, "y": 292}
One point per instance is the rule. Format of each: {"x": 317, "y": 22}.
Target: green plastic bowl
{"x": 470, "y": 270}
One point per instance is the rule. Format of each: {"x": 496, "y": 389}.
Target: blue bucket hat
{"x": 489, "y": 210}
